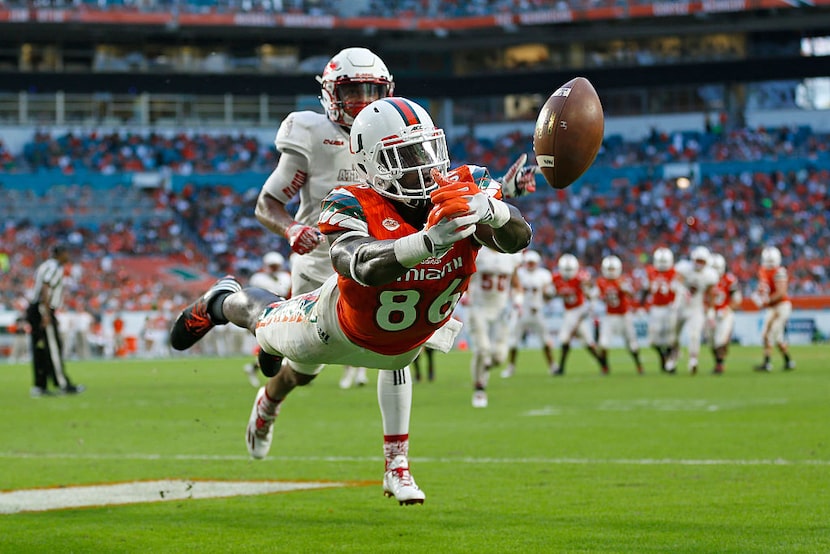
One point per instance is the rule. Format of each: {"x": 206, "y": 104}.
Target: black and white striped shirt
{"x": 49, "y": 273}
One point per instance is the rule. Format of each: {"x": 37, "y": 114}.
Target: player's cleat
{"x": 789, "y": 366}
{"x": 269, "y": 364}
{"x": 559, "y": 372}
{"x": 348, "y": 377}
{"x": 73, "y": 389}
{"x": 604, "y": 370}
{"x": 508, "y": 371}
{"x": 194, "y": 322}
{"x": 360, "y": 378}
{"x": 260, "y": 430}
{"x": 398, "y": 482}
{"x": 692, "y": 370}
{"x": 763, "y": 367}
{"x": 250, "y": 371}
{"x": 640, "y": 370}
{"x": 479, "y": 399}
{"x": 37, "y": 392}
{"x": 553, "y": 369}
{"x": 717, "y": 371}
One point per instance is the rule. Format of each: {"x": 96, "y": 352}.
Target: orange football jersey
{"x": 396, "y": 317}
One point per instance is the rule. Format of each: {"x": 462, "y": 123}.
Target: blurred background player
{"x": 489, "y": 315}
{"x": 727, "y": 299}
{"x": 617, "y": 291}
{"x": 573, "y": 286}
{"x": 427, "y": 356}
{"x": 698, "y": 279}
{"x": 536, "y": 283}
{"x": 273, "y": 277}
{"x": 659, "y": 296}
{"x": 772, "y": 295}
{"x": 314, "y": 159}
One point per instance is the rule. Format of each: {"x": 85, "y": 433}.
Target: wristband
{"x": 501, "y": 213}
{"x": 411, "y": 249}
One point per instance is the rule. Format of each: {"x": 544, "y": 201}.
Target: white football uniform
{"x": 691, "y": 299}
{"x": 279, "y": 283}
{"x": 537, "y": 286}
{"x": 325, "y": 147}
{"x": 490, "y": 314}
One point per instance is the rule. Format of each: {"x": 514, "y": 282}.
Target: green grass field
{"x": 583, "y": 463}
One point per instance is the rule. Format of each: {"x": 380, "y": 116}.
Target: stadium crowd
{"x": 212, "y": 226}
{"x": 187, "y": 153}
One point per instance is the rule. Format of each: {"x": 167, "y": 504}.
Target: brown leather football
{"x": 568, "y": 132}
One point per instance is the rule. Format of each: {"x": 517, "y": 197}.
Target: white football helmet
{"x": 568, "y": 266}
{"x": 700, "y": 256}
{"x": 395, "y": 145}
{"x": 770, "y": 257}
{"x": 353, "y": 79}
{"x": 663, "y": 259}
{"x": 719, "y": 263}
{"x": 611, "y": 267}
{"x": 532, "y": 257}
{"x": 273, "y": 258}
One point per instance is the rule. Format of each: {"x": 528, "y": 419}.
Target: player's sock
{"x": 661, "y": 351}
{"x": 215, "y": 310}
{"x": 395, "y": 401}
{"x": 268, "y": 406}
{"x": 395, "y": 445}
{"x": 564, "y": 356}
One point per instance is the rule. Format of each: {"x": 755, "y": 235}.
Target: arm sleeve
{"x": 288, "y": 177}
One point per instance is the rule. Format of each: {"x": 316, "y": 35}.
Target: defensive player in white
{"x": 699, "y": 280}
{"x": 314, "y": 159}
{"x": 573, "y": 285}
{"x": 617, "y": 291}
{"x": 491, "y": 300}
{"x": 273, "y": 277}
{"x": 727, "y": 299}
{"x": 772, "y": 295}
{"x": 659, "y": 294}
{"x": 536, "y": 284}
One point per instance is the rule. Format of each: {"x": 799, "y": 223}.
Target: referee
{"x": 47, "y": 352}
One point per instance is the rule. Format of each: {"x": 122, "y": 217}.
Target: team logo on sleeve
{"x": 390, "y": 224}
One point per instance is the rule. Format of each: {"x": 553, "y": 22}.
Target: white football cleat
{"x": 251, "y": 372}
{"x": 260, "y": 430}
{"x": 348, "y": 377}
{"x": 479, "y": 399}
{"x": 360, "y": 378}
{"x": 398, "y": 482}
{"x": 508, "y": 371}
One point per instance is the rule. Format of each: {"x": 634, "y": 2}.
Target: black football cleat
{"x": 194, "y": 322}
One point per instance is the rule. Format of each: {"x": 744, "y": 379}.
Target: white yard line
{"x": 362, "y": 459}
{"x": 84, "y": 496}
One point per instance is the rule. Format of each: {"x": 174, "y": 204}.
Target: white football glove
{"x": 519, "y": 180}
{"x": 447, "y": 231}
{"x": 490, "y": 211}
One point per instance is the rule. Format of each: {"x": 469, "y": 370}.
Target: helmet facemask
{"x": 404, "y": 164}
{"x": 350, "y": 96}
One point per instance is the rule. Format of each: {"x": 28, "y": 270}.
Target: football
{"x": 568, "y": 132}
